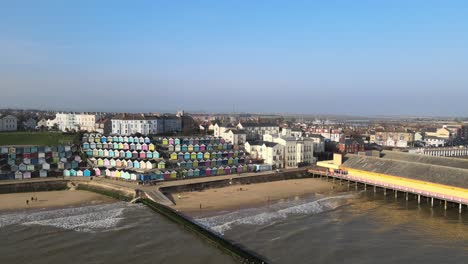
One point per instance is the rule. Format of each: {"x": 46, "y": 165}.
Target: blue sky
{"x": 337, "y": 57}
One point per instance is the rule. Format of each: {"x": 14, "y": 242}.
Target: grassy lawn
{"x": 35, "y": 138}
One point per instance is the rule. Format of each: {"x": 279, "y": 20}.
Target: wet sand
{"x": 239, "y": 196}
{"x": 52, "y": 199}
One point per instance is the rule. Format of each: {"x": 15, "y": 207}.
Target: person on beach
{"x": 27, "y": 202}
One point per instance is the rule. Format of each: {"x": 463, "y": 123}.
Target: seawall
{"x": 25, "y": 186}
{"x": 254, "y": 178}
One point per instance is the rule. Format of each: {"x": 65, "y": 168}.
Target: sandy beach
{"x": 52, "y": 199}
{"x": 238, "y": 196}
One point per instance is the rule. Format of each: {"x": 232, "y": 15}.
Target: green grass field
{"x": 35, "y": 138}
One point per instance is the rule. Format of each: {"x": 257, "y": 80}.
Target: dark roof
{"x": 225, "y": 124}
{"x": 261, "y": 142}
{"x": 141, "y": 117}
{"x": 413, "y": 170}
{"x": 316, "y": 136}
{"x": 434, "y": 137}
{"x": 236, "y": 131}
{"x": 350, "y": 141}
{"x": 270, "y": 144}
{"x": 439, "y": 161}
{"x": 250, "y": 124}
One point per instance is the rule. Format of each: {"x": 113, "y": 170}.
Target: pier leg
{"x": 356, "y": 187}
{"x": 375, "y": 189}
{"x": 445, "y": 205}
{"x": 419, "y": 199}
{"x": 432, "y": 202}
{"x": 385, "y": 191}
{"x": 459, "y": 208}
{"x": 406, "y": 196}
{"x": 365, "y": 187}
{"x": 396, "y": 194}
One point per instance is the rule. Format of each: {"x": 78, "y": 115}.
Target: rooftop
{"x": 413, "y": 170}
{"x": 251, "y": 124}
{"x": 439, "y": 161}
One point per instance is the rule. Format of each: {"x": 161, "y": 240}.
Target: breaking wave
{"x": 268, "y": 215}
{"x": 83, "y": 219}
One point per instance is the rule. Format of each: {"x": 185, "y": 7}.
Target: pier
{"x": 414, "y": 176}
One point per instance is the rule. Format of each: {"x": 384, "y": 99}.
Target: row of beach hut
{"x": 191, "y": 141}
{"x": 206, "y": 155}
{"x": 97, "y": 138}
{"x": 122, "y": 154}
{"x": 119, "y": 146}
{"x": 208, "y": 163}
{"x": 202, "y": 147}
{"x": 38, "y": 149}
{"x": 135, "y": 164}
{"x": 214, "y": 171}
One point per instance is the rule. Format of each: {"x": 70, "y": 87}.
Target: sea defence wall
{"x": 254, "y": 178}
{"x": 117, "y": 192}
{"x": 33, "y": 186}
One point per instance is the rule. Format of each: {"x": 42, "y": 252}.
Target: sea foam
{"x": 84, "y": 219}
{"x": 275, "y": 212}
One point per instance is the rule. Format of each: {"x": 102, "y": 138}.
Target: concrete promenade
{"x": 151, "y": 192}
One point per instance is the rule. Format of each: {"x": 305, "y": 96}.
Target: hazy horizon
{"x": 354, "y": 58}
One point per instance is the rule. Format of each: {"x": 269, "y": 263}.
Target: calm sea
{"x": 336, "y": 228}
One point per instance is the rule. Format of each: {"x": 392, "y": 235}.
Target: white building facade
{"x": 144, "y": 125}
{"x": 290, "y": 152}
{"x": 8, "y": 123}
{"x": 74, "y": 122}
{"x": 255, "y": 131}
{"x": 270, "y": 152}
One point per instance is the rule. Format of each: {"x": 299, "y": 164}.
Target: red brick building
{"x": 351, "y": 145}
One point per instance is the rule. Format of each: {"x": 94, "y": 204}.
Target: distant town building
{"x": 296, "y": 151}
{"x": 464, "y": 132}
{"x": 42, "y": 124}
{"x": 438, "y": 132}
{"x": 351, "y": 145}
{"x": 319, "y": 142}
{"x": 230, "y": 133}
{"x": 220, "y": 128}
{"x": 255, "y": 131}
{"x": 435, "y": 141}
{"x": 333, "y": 135}
{"x": 8, "y": 123}
{"x": 236, "y": 137}
{"x": 73, "y": 122}
{"x": 30, "y": 124}
{"x": 399, "y": 139}
{"x": 144, "y": 124}
{"x": 270, "y": 152}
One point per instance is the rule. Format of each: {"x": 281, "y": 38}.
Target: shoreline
{"x": 50, "y": 200}
{"x": 241, "y": 196}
